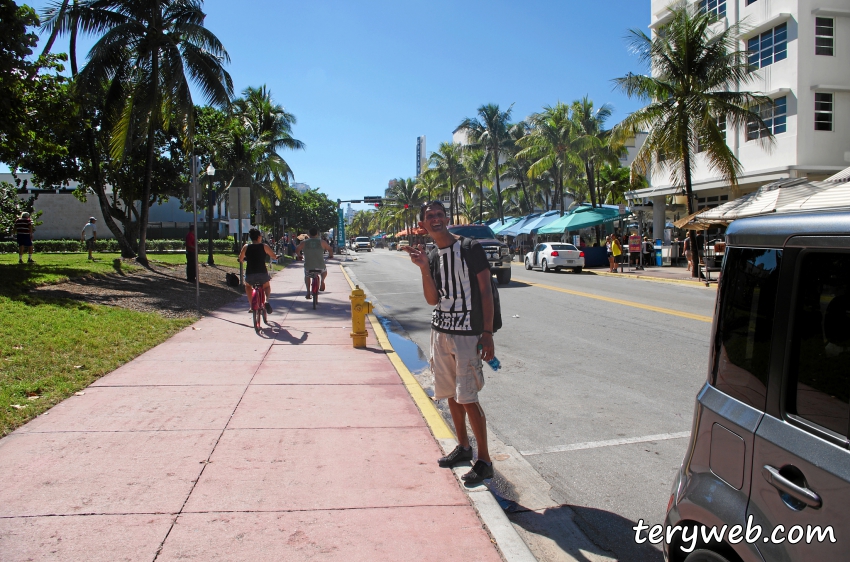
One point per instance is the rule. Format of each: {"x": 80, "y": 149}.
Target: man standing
{"x": 453, "y": 275}
{"x": 24, "y": 231}
{"x": 89, "y": 235}
{"x": 191, "y": 257}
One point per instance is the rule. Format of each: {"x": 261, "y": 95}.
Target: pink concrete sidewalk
{"x": 221, "y": 444}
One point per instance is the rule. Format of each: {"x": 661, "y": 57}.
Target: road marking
{"x": 608, "y": 443}
{"x": 426, "y": 406}
{"x": 633, "y": 304}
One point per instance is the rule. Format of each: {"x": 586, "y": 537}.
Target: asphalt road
{"x": 596, "y": 391}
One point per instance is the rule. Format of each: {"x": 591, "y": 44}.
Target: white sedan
{"x": 550, "y": 256}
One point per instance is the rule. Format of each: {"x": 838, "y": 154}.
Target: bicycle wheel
{"x": 315, "y": 290}
{"x": 257, "y": 321}
{"x": 265, "y": 317}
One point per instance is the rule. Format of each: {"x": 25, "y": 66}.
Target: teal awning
{"x": 583, "y": 217}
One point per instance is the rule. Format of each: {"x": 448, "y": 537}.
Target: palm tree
{"x": 490, "y": 133}
{"x": 407, "y": 198}
{"x": 592, "y": 142}
{"x": 431, "y": 183}
{"x": 478, "y": 172}
{"x": 695, "y": 75}
{"x": 448, "y": 161}
{"x": 550, "y": 146}
{"x": 148, "y": 47}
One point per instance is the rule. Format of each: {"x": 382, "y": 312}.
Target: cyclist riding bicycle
{"x": 313, "y": 249}
{"x": 256, "y": 273}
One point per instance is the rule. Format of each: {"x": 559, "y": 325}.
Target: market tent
{"x": 768, "y": 198}
{"x": 832, "y": 193}
{"x": 513, "y": 229}
{"x": 533, "y": 226}
{"x": 500, "y": 227}
{"x": 497, "y": 222}
{"x": 583, "y": 217}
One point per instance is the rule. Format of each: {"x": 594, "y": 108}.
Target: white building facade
{"x": 800, "y": 55}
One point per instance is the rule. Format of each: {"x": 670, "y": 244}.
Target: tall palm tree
{"x": 478, "y": 171}
{"x": 593, "y": 142}
{"x": 694, "y": 82}
{"x": 489, "y": 131}
{"x": 406, "y": 200}
{"x": 149, "y": 47}
{"x": 431, "y": 183}
{"x": 550, "y": 146}
{"x": 448, "y": 161}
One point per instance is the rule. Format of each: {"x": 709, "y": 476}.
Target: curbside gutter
{"x": 510, "y": 544}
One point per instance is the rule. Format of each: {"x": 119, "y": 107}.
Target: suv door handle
{"x": 799, "y": 493}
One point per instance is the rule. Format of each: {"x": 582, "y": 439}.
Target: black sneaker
{"x": 457, "y": 456}
{"x": 480, "y": 472}
{"x": 268, "y": 308}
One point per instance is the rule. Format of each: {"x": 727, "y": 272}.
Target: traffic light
{"x": 377, "y": 205}
{"x": 405, "y": 205}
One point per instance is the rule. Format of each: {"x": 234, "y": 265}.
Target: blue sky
{"x": 365, "y": 78}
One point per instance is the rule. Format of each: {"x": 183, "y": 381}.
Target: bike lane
{"x": 222, "y": 444}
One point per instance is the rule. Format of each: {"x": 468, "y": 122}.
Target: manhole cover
{"x": 501, "y": 457}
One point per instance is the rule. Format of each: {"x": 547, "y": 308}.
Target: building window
{"x": 773, "y": 115}
{"x": 824, "y": 36}
{"x": 750, "y": 2}
{"x": 769, "y": 47}
{"x": 721, "y": 127}
{"x": 823, "y": 112}
{"x": 714, "y": 7}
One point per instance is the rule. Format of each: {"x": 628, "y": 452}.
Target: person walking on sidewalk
{"x": 89, "y": 235}
{"x": 255, "y": 272}
{"x": 461, "y": 331}
{"x": 313, "y": 249}
{"x": 24, "y": 231}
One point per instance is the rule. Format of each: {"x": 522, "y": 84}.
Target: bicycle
{"x": 258, "y": 306}
{"x": 315, "y": 276}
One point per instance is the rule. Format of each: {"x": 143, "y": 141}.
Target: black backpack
{"x": 465, "y": 246}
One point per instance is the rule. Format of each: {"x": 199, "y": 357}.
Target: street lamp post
{"x": 210, "y": 203}
{"x": 276, "y": 209}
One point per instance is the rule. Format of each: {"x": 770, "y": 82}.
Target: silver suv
{"x": 769, "y": 444}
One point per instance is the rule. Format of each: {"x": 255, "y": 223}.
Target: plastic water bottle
{"x": 494, "y": 363}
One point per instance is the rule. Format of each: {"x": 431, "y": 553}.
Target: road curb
{"x": 510, "y": 544}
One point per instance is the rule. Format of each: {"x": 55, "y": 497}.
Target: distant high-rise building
{"x": 300, "y": 187}
{"x": 421, "y": 155}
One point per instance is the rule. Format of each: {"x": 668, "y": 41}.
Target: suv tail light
{"x": 581, "y": 254}
{"x": 555, "y": 253}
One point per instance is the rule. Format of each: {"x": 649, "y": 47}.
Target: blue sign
{"x": 340, "y": 229}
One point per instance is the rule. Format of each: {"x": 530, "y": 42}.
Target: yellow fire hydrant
{"x": 360, "y": 307}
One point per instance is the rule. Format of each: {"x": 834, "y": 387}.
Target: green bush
{"x": 111, "y": 246}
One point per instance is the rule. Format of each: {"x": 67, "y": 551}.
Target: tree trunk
{"x": 481, "y": 202}
{"x": 692, "y": 234}
{"x": 525, "y": 194}
{"x": 498, "y": 185}
{"x": 56, "y": 27}
{"x": 72, "y": 55}
{"x": 146, "y": 186}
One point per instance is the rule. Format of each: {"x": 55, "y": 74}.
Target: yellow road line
{"x": 426, "y": 406}
{"x": 633, "y": 304}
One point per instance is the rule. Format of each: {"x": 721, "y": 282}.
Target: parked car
{"x": 402, "y": 244}
{"x": 498, "y": 253}
{"x": 392, "y": 245}
{"x": 362, "y": 243}
{"x": 769, "y": 442}
{"x": 555, "y": 256}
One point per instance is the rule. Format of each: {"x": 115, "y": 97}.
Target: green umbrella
{"x": 583, "y": 217}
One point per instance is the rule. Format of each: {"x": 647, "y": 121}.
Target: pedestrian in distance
{"x": 24, "y": 231}
{"x": 616, "y": 251}
{"x": 191, "y": 255}
{"x": 461, "y": 331}
{"x": 686, "y": 247}
{"x": 609, "y": 251}
{"x": 254, "y": 255}
{"x": 89, "y": 235}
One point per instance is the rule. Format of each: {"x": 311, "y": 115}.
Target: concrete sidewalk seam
{"x": 507, "y": 539}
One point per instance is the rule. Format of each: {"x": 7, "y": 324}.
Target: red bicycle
{"x": 258, "y": 306}
{"x": 315, "y": 276}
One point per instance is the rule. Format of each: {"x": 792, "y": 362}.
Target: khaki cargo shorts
{"x": 456, "y": 366}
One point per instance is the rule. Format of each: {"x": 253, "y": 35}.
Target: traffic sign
{"x": 372, "y": 199}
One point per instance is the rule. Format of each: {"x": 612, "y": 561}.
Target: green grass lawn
{"x": 51, "y": 348}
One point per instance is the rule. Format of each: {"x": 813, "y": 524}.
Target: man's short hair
{"x": 25, "y": 215}
{"x": 314, "y": 231}
{"x": 254, "y": 234}
{"x": 425, "y": 206}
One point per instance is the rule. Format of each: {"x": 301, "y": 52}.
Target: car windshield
{"x": 477, "y": 231}
{"x": 362, "y": 239}
{"x": 563, "y": 247}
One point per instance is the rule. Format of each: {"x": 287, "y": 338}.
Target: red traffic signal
{"x": 377, "y": 205}
{"x": 405, "y": 205}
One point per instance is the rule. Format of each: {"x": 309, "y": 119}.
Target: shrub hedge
{"x": 111, "y": 246}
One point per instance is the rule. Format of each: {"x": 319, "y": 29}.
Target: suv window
{"x": 745, "y": 324}
{"x": 819, "y": 365}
